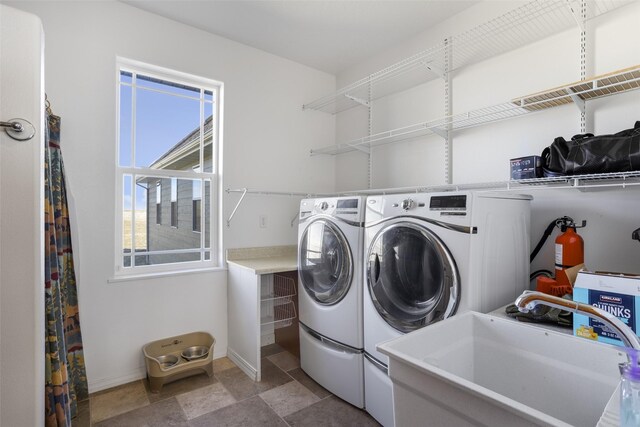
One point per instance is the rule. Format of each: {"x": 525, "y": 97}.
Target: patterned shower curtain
{"x": 66, "y": 380}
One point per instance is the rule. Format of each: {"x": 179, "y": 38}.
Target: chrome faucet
{"x": 530, "y": 299}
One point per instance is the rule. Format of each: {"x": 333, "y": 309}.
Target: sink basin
{"x": 476, "y": 369}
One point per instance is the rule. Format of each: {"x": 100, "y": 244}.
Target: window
{"x": 168, "y": 139}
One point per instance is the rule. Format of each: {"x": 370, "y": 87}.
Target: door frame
{"x": 22, "y": 320}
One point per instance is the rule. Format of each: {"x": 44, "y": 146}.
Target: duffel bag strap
{"x": 581, "y": 136}
{"x": 634, "y": 149}
{"x": 544, "y": 157}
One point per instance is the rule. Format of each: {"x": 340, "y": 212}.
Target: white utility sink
{"x": 480, "y": 370}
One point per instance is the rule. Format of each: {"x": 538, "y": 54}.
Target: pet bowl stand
{"x": 159, "y": 375}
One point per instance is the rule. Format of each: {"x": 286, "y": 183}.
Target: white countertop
{"x": 265, "y": 260}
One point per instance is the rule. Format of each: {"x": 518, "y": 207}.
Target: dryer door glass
{"x": 325, "y": 262}
{"x": 412, "y": 277}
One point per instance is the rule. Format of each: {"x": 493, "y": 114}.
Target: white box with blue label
{"x": 618, "y": 294}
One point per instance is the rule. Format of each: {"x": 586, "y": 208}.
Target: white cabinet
{"x": 262, "y": 305}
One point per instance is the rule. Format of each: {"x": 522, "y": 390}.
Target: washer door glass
{"x": 412, "y": 277}
{"x": 325, "y": 262}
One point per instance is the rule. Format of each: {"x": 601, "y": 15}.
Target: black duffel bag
{"x": 586, "y": 154}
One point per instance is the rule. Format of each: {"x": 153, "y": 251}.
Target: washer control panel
{"x": 346, "y": 207}
{"x": 407, "y": 204}
{"x": 448, "y": 203}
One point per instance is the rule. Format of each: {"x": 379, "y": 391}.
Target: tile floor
{"x": 286, "y": 396}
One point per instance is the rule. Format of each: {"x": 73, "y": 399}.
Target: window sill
{"x": 160, "y": 274}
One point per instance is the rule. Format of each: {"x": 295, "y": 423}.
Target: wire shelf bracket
{"x": 246, "y": 191}
{"x": 579, "y": 102}
{"x": 357, "y": 100}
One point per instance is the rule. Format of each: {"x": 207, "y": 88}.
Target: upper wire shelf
{"x": 619, "y": 81}
{"x": 422, "y": 67}
{"x": 526, "y": 24}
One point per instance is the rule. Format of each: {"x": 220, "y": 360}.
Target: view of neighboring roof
{"x": 186, "y": 152}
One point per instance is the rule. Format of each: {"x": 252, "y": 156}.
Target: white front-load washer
{"x": 429, "y": 256}
{"x": 330, "y": 237}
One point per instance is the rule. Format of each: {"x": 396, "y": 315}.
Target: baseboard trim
{"x": 138, "y": 374}
{"x": 242, "y": 364}
{"x": 110, "y": 382}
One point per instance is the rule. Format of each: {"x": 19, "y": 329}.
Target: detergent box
{"x": 615, "y": 293}
{"x": 526, "y": 167}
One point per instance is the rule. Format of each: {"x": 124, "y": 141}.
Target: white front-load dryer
{"x": 429, "y": 256}
{"x": 330, "y": 238}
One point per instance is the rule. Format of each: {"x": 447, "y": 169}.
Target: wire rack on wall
{"x": 409, "y": 72}
{"x": 587, "y": 181}
{"x": 622, "y": 180}
{"x": 612, "y": 83}
{"x": 526, "y": 24}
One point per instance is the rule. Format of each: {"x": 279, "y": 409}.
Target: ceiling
{"x": 329, "y": 35}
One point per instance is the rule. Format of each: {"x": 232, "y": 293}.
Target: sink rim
{"x": 402, "y": 357}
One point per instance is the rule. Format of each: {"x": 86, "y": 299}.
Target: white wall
{"x": 266, "y": 142}
{"x": 21, "y": 223}
{"x": 482, "y": 154}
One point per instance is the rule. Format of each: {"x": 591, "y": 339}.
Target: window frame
{"x": 212, "y": 178}
{"x": 158, "y": 201}
{"x": 174, "y": 202}
{"x": 196, "y": 214}
{"x": 196, "y": 219}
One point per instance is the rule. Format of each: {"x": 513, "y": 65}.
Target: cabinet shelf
{"x": 526, "y": 24}
{"x": 619, "y": 81}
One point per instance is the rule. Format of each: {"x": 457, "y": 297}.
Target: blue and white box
{"x": 526, "y": 167}
{"x": 618, "y": 294}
